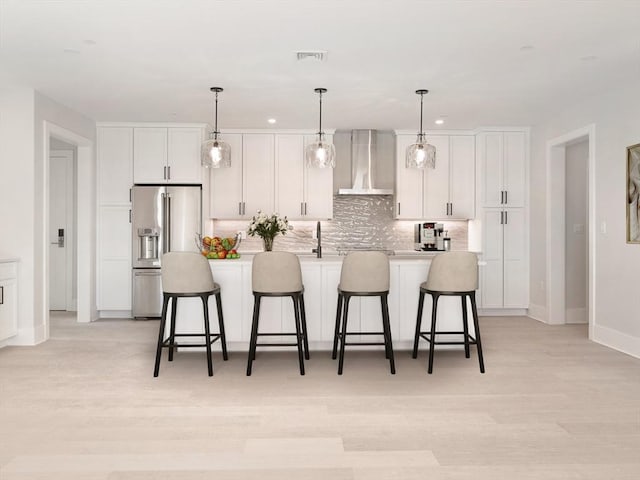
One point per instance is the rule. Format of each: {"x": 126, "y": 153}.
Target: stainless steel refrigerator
{"x": 164, "y": 218}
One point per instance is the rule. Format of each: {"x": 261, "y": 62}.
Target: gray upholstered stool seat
{"x": 363, "y": 274}
{"x": 187, "y": 274}
{"x": 450, "y": 274}
{"x": 278, "y": 274}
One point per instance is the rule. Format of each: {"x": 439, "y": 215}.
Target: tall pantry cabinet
{"x": 502, "y": 190}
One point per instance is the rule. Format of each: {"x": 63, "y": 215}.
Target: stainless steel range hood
{"x": 372, "y": 154}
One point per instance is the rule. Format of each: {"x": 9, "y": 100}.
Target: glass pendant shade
{"x": 216, "y": 153}
{"x": 421, "y": 154}
{"x": 321, "y": 153}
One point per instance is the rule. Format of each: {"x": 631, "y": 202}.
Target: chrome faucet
{"x": 318, "y": 249}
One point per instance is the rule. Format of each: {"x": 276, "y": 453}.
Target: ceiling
{"x": 485, "y": 62}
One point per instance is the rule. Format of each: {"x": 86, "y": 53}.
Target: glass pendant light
{"x": 215, "y": 152}
{"x": 421, "y": 154}
{"x": 320, "y": 154}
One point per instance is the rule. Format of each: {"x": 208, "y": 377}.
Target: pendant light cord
{"x": 215, "y": 131}
{"x": 320, "y": 132}
{"x": 421, "y": 109}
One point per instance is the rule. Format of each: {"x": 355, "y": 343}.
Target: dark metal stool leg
{"x": 207, "y": 332}
{"x": 476, "y": 325}
{"x": 465, "y": 325}
{"x": 172, "y": 334}
{"x": 416, "y": 338}
{"x": 343, "y": 332}
{"x": 386, "y": 325}
{"x": 303, "y": 317}
{"x": 432, "y": 338}
{"x": 254, "y": 332}
{"x": 163, "y": 321}
{"x": 223, "y": 337}
{"x": 296, "y": 311}
{"x": 337, "y": 327}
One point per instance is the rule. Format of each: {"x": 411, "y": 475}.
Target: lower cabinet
{"x": 8, "y": 300}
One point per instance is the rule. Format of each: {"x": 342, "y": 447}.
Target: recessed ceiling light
{"x": 71, "y": 50}
{"x": 88, "y": 41}
{"x": 439, "y": 121}
{"x": 526, "y": 48}
{"x": 272, "y": 121}
{"x": 588, "y": 58}
{"x": 319, "y": 55}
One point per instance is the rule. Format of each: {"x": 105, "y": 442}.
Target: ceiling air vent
{"x": 319, "y": 55}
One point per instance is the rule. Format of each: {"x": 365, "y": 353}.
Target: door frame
{"x": 85, "y": 222}
{"x": 555, "y": 224}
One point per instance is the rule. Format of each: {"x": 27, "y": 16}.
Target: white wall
{"x": 24, "y": 197}
{"x": 617, "y": 125}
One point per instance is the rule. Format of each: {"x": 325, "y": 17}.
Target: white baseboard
{"x": 617, "y": 340}
{"x": 114, "y": 314}
{"x": 502, "y": 312}
{"x": 577, "y": 315}
{"x": 28, "y": 336}
{"x": 538, "y": 312}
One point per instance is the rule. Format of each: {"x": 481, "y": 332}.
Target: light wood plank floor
{"x": 552, "y": 405}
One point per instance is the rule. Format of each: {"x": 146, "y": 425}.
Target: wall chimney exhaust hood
{"x": 371, "y": 171}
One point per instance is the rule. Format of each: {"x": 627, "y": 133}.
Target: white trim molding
{"x": 617, "y": 340}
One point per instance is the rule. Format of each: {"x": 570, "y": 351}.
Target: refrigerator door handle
{"x": 168, "y": 222}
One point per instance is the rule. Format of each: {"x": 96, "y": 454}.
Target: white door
{"x": 60, "y": 229}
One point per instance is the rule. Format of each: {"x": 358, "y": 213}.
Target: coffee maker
{"x": 429, "y": 236}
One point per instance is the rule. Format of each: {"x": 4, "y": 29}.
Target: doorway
{"x": 62, "y": 226}
{"x": 563, "y": 229}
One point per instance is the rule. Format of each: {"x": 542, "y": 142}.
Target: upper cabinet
{"x": 268, "y": 173}
{"x": 248, "y": 185}
{"x": 115, "y": 164}
{"x": 502, "y": 164}
{"x": 167, "y": 154}
{"x": 443, "y": 193}
{"x": 302, "y": 192}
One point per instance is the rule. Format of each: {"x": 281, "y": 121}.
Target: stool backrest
{"x": 365, "y": 272}
{"x": 276, "y": 272}
{"x": 186, "y": 272}
{"x": 453, "y": 272}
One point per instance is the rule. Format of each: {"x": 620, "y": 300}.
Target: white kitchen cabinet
{"x": 167, "y": 154}
{"x": 248, "y": 186}
{"x": 443, "y": 193}
{"x": 114, "y": 258}
{"x": 504, "y": 277}
{"x": 225, "y": 194}
{"x": 503, "y": 168}
{"x": 8, "y": 300}
{"x": 302, "y": 192}
{"x": 115, "y": 164}
{"x": 409, "y": 183}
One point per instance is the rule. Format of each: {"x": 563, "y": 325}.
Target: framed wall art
{"x": 633, "y": 194}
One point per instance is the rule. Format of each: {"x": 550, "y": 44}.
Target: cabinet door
{"x": 114, "y": 269}
{"x": 462, "y": 177}
{"x": 436, "y": 181}
{"x": 514, "y": 168}
{"x": 8, "y": 308}
{"x": 184, "y": 155}
{"x": 289, "y": 180}
{"x": 492, "y": 247}
{"x": 225, "y": 193}
{"x": 409, "y": 183}
{"x": 258, "y": 175}
{"x": 318, "y": 186}
{"x": 115, "y": 164}
{"x": 516, "y": 283}
{"x": 149, "y": 155}
{"x": 490, "y": 152}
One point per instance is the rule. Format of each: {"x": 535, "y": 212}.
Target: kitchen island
{"x": 321, "y": 277}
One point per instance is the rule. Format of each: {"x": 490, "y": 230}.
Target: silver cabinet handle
{"x": 506, "y": 197}
{"x": 169, "y": 172}
{"x": 398, "y": 208}
{"x": 301, "y": 208}
{"x": 1, "y": 295}
{"x": 305, "y": 208}
{"x": 506, "y": 218}
{"x": 164, "y": 173}
{"x": 501, "y": 218}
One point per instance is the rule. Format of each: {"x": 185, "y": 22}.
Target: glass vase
{"x": 268, "y": 244}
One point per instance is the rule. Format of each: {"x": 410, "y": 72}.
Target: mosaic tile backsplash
{"x": 359, "y": 222}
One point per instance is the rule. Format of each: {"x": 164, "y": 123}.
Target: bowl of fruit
{"x": 218, "y": 248}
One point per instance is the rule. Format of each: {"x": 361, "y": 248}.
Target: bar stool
{"x": 187, "y": 274}
{"x": 278, "y": 274}
{"x": 450, "y": 274}
{"x": 363, "y": 274}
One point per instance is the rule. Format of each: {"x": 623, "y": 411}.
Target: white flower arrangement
{"x": 267, "y": 226}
